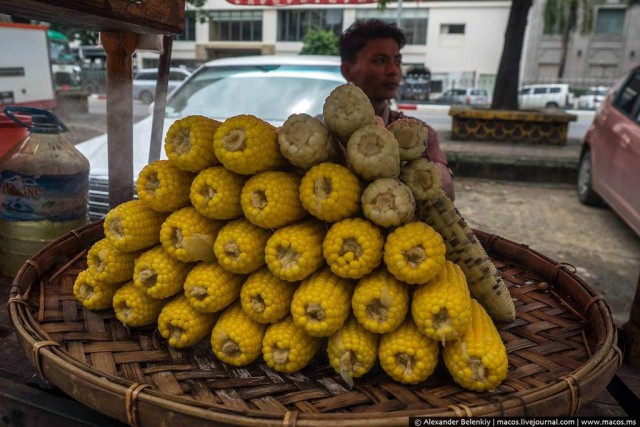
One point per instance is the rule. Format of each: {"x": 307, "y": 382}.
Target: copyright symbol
{"x": 417, "y": 422}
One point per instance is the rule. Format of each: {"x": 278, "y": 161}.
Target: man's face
{"x": 376, "y": 69}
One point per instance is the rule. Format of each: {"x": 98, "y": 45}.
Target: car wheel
{"x": 586, "y": 194}
{"x": 551, "y": 105}
{"x": 146, "y": 97}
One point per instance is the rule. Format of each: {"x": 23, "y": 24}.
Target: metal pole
{"x": 399, "y": 14}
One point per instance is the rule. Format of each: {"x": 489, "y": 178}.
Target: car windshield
{"x": 271, "y": 93}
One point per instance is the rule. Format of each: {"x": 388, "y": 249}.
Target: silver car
{"x": 467, "y": 96}
{"x": 269, "y": 87}
{"x": 144, "y": 82}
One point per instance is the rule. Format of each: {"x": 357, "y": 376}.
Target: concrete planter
{"x": 533, "y": 127}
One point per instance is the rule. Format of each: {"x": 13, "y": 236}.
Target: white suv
{"x": 545, "y": 96}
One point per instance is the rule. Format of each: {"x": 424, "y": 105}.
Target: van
{"x": 545, "y": 96}
{"x": 144, "y": 82}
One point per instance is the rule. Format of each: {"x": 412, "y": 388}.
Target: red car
{"x": 610, "y": 159}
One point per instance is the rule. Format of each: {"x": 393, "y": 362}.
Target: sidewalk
{"x": 512, "y": 161}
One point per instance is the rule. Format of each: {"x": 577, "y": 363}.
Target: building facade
{"x": 459, "y": 41}
{"x": 595, "y": 58}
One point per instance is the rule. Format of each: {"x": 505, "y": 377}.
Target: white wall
{"x": 479, "y": 49}
{"x": 476, "y": 53}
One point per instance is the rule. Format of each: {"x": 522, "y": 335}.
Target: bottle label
{"x": 47, "y": 197}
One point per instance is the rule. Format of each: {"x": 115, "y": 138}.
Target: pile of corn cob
{"x": 265, "y": 241}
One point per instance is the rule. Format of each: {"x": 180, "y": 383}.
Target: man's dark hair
{"x": 360, "y": 32}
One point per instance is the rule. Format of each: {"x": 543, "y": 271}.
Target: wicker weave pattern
{"x": 561, "y": 353}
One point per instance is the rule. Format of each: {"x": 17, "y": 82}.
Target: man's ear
{"x": 345, "y": 69}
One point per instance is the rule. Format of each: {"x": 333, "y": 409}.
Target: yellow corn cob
{"x": 239, "y": 246}
{"x": 265, "y": 298}
{"x": 106, "y": 264}
{"x": 215, "y": 193}
{"x": 422, "y": 178}
{"x": 210, "y": 288}
{"x": 464, "y": 249}
{"x": 183, "y": 326}
{"x": 247, "y": 145}
{"x": 411, "y": 135}
{"x": 352, "y": 350}
{"x": 388, "y": 202}
{"x": 305, "y": 141}
{"x": 287, "y": 348}
{"x": 478, "y": 360}
{"x": 380, "y": 302}
{"x": 441, "y": 308}
{"x": 414, "y": 253}
{"x": 159, "y": 274}
{"x": 188, "y": 236}
{"x": 353, "y": 247}
{"x": 134, "y": 308}
{"x": 406, "y": 355}
{"x": 347, "y": 109}
{"x": 372, "y": 151}
{"x": 294, "y": 252}
{"x": 131, "y": 226}
{"x": 236, "y": 339}
{"x": 330, "y": 192}
{"x": 92, "y": 293}
{"x": 271, "y": 199}
{"x": 163, "y": 187}
{"x": 189, "y": 143}
{"x": 321, "y": 304}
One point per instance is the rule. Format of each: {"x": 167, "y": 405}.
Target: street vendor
{"x": 371, "y": 59}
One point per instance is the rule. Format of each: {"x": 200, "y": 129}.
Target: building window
{"x": 235, "y": 25}
{"x": 452, "y": 28}
{"x": 293, "y": 25}
{"x": 189, "y": 33}
{"x": 610, "y": 21}
{"x": 413, "y": 22}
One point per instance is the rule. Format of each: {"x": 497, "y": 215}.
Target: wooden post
{"x": 119, "y": 48}
{"x": 157, "y": 127}
{"x": 632, "y": 331}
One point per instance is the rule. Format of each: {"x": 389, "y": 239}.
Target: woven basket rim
{"x": 49, "y": 357}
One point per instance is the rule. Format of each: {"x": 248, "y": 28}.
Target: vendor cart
{"x": 563, "y": 347}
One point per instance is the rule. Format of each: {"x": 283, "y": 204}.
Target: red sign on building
{"x": 296, "y": 2}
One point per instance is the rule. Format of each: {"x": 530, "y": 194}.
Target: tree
{"x": 561, "y": 17}
{"x": 319, "y": 42}
{"x": 505, "y": 92}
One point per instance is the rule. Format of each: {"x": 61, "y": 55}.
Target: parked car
{"x": 468, "y": 96}
{"x": 269, "y": 87}
{"x": 144, "y": 82}
{"x": 592, "y": 98}
{"x": 545, "y": 96}
{"x": 610, "y": 157}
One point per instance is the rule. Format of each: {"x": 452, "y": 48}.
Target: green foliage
{"x": 84, "y": 36}
{"x": 319, "y": 42}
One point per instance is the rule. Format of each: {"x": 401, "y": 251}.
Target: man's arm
{"x": 437, "y": 156}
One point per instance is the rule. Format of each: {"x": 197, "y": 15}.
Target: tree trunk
{"x": 505, "y": 93}
{"x": 569, "y": 28}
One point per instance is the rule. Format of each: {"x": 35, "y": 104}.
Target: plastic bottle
{"x": 44, "y": 183}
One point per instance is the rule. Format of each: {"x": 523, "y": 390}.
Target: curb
{"x": 440, "y": 107}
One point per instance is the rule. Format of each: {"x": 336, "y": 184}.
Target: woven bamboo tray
{"x": 562, "y": 353}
